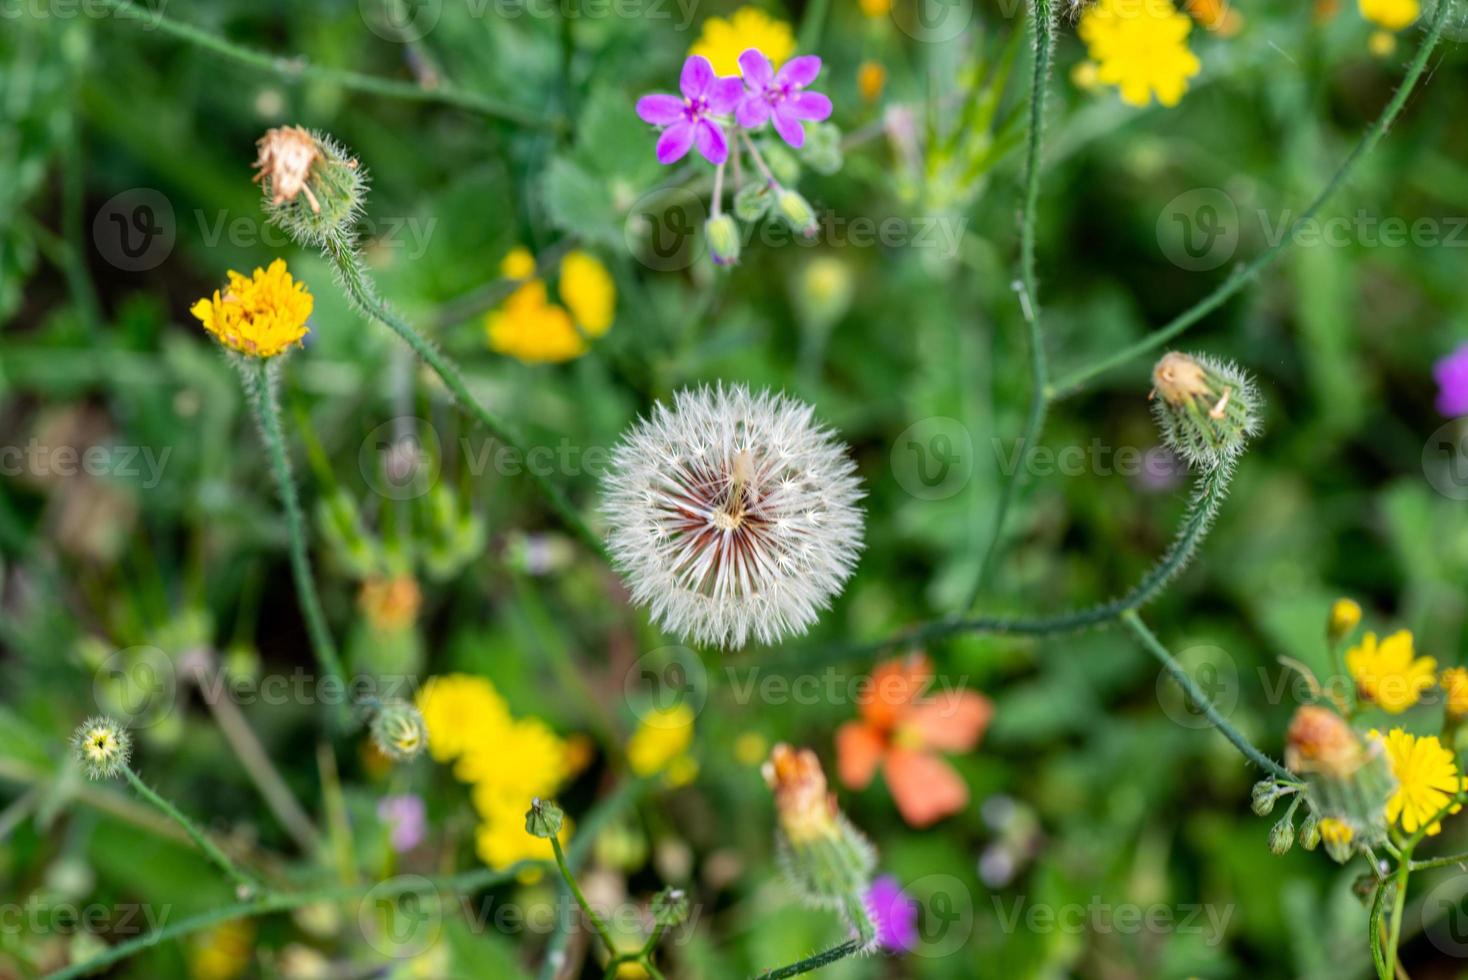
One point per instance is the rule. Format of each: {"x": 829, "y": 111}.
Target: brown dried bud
{"x": 287, "y": 154}
{"x": 1178, "y": 378}
{"x": 807, "y": 809}
{"x": 1320, "y": 741}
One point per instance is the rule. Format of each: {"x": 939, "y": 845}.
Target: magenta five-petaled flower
{"x": 780, "y": 96}
{"x": 687, "y": 121}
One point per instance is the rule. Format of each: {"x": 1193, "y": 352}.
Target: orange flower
{"x": 902, "y": 730}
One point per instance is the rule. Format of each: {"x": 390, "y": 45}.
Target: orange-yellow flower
{"x": 1388, "y": 673}
{"x": 261, "y": 315}
{"x": 1141, "y": 47}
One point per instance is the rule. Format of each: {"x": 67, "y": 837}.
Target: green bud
{"x": 1266, "y": 791}
{"x": 1310, "y": 832}
{"x": 822, "y": 149}
{"x": 753, "y": 201}
{"x": 399, "y": 731}
{"x": 1207, "y": 410}
{"x": 670, "y": 907}
{"x": 723, "y": 238}
{"x": 543, "y": 819}
{"x": 1282, "y": 834}
{"x": 796, "y": 210}
{"x": 782, "y": 162}
{"x": 313, "y": 189}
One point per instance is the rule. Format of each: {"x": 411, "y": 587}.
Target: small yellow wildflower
{"x": 876, "y": 8}
{"x": 102, "y": 746}
{"x": 523, "y": 760}
{"x": 663, "y": 736}
{"x": 1391, "y": 14}
{"x": 1454, "y": 683}
{"x": 1427, "y": 779}
{"x": 529, "y": 327}
{"x": 1336, "y": 832}
{"x": 1141, "y": 47}
{"x": 1086, "y": 76}
{"x": 750, "y": 749}
{"x": 587, "y": 290}
{"x": 260, "y": 316}
{"x": 462, "y": 712}
{"x": 223, "y": 952}
{"x": 1345, "y": 615}
{"x": 1381, "y": 43}
{"x": 871, "y": 78}
{"x": 723, "y": 41}
{"x": 1388, "y": 673}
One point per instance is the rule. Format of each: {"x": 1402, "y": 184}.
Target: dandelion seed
{"x": 733, "y": 515}
{"x": 102, "y": 746}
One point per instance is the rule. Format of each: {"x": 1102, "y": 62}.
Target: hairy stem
{"x": 246, "y": 883}
{"x": 1196, "y": 695}
{"x": 260, "y": 382}
{"x": 1069, "y": 383}
{"x": 363, "y": 294}
{"x": 298, "y": 69}
{"x": 812, "y": 963}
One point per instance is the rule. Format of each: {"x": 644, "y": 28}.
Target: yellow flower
{"x": 1345, "y": 615}
{"x": 663, "y": 736}
{"x": 461, "y": 712}
{"x": 502, "y": 839}
{"x": 1141, "y": 47}
{"x": 750, "y": 749}
{"x": 876, "y": 8}
{"x": 223, "y": 952}
{"x": 1336, "y": 832}
{"x": 723, "y": 41}
{"x": 587, "y": 290}
{"x": 1391, "y": 14}
{"x": 259, "y": 316}
{"x": 520, "y": 761}
{"x": 1382, "y": 43}
{"x": 1427, "y": 779}
{"x": 1388, "y": 674}
{"x": 871, "y": 78}
{"x": 531, "y": 328}
{"x": 1454, "y": 682}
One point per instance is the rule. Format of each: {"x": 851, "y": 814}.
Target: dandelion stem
{"x": 461, "y": 883}
{"x": 592, "y": 917}
{"x": 1399, "y": 901}
{"x": 248, "y": 886}
{"x": 363, "y": 294}
{"x": 261, "y": 381}
{"x": 1196, "y": 695}
{"x": 298, "y": 69}
{"x": 813, "y": 963}
{"x": 1069, "y": 383}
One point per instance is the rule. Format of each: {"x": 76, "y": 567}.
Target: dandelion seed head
{"x": 102, "y": 746}
{"x": 733, "y": 515}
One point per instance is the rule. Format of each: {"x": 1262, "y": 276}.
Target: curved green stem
{"x": 1196, "y": 695}
{"x": 1399, "y": 901}
{"x": 246, "y": 883}
{"x": 1250, "y": 272}
{"x": 406, "y": 885}
{"x": 591, "y": 916}
{"x": 261, "y": 381}
{"x": 1029, "y": 291}
{"x": 363, "y": 294}
{"x": 813, "y": 963}
{"x": 1201, "y": 512}
{"x": 298, "y": 69}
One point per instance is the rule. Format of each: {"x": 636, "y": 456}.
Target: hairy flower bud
{"x": 670, "y": 907}
{"x": 1265, "y": 792}
{"x": 1282, "y": 834}
{"x": 102, "y": 746}
{"x": 399, "y": 732}
{"x": 1207, "y": 410}
{"x": 544, "y": 819}
{"x": 796, "y": 210}
{"x": 723, "y": 238}
{"x": 1345, "y": 616}
{"x": 824, "y": 856}
{"x": 1310, "y": 832}
{"x": 313, "y": 189}
{"x": 754, "y": 200}
{"x": 1347, "y": 782}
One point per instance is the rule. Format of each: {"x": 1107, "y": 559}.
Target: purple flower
{"x": 406, "y": 819}
{"x": 894, "y": 914}
{"x": 780, "y": 97}
{"x": 1452, "y": 383}
{"x": 686, "y": 120}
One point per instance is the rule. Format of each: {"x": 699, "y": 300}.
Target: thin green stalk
{"x": 363, "y": 294}
{"x": 1204, "y": 507}
{"x": 1373, "y": 924}
{"x": 1440, "y": 862}
{"x": 595, "y": 920}
{"x": 1196, "y": 695}
{"x": 247, "y": 884}
{"x": 1069, "y": 383}
{"x": 299, "y": 69}
{"x": 1399, "y": 901}
{"x": 260, "y": 386}
{"x": 812, "y": 963}
{"x": 1029, "y": 292}
{"x": 461, "y": 883}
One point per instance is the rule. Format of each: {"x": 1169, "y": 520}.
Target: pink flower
{"x": 1452, "y": 383}
{"x": 781, "y": 97}
{"x": 686, "y": 121}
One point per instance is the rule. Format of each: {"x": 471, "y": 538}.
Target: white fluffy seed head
{"x": 733, "y": 515}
